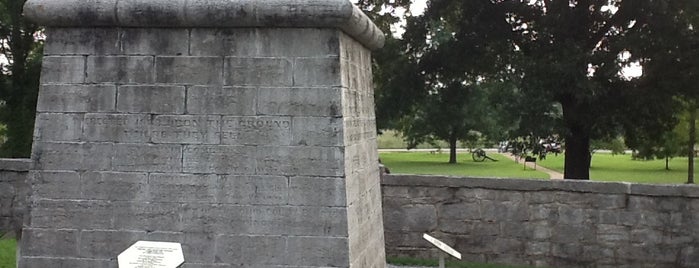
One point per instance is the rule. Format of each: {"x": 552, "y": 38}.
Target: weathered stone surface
{"x": 77, "y": 98}
{"x": 151, "y": 99}
{"x": 63, "y": 70}
{"x": 120, "y": 69}
{"x": 85, "y": 41}
{"x": 153, "y": 41}
{"x": 324, "y": 102}
{"x": 58, "y": 127}
{"x": 337, "y": 14}
{"x": 125, "y": 128}
{"x": 189, "y": 70}
{"x": 277, "y": 72}
{"x": 146, "y": 157}
{"x": 234, "y": 101}
{"x": 186, "y": 129}
{"x": 181, "y": 126}
{"x": 543, "y": 222}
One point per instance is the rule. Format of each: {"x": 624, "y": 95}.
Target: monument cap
{"x": 340, "y": 14}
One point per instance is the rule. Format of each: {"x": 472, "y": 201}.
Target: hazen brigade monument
{"x": 242, "y": 129}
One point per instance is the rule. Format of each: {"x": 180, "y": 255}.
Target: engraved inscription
{"x": 116, "y": 128}
{"x": 259, "y": 130}
{"x": 186, "y": 129}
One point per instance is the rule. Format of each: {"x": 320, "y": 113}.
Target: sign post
{"x": 148, "y": 254}
{"x": 443, "y": 247}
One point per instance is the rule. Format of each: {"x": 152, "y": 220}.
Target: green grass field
{"x": 608, "y": 167}
{"x": 7, "y": 253}
{"x": 426, "y": 163}
{"x": 605, "y": 167}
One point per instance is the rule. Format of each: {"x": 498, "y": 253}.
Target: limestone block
{"x": 63, "y": 70}
{"x": 40, "y": 262}
{"x": 76, "y": 98}
{"x": 125, "y": 128}
{"x": 189, "y": 70}
{"x": 317, "y": 251}
{"x": 258, "y": 72}
{"x": 56, "y": 185}
{"x": 308, "y": 160}
{"x": 462, "y": 211}
{"x": 258, "y": 130}
{"x": 135, "y": 215}
{"x": 253, "y": 190}
{"x": 58, "y": 127}
{"x": 317, "y": 72}
{"x": 154, "y": 41}
{"x": 49, "y": 243}
{"x": 82, "y": 41}
{"x": 147, "y": 157}
{"x": 151, "y": 99}
{"x": 120, "y": 69}
{"x": 317, "y": 131}
{"x": 102, "y": 244}
{"x": 209, "y": 159}
{"x": 252, "y": 250}
{"x": 267, "y": 42}
{"x": 114, "y": 186}
{"x": 72, "y": 156}
{"x": 424, "y": 218}
{"x": 237, "y": 101}
{"x": 182, "y": 188}
{"x": 327, "y": 191}
{"x": 84, "y": 214}
{"x": 300, "y": 101}
{"x": 132, "y": 12}
{"x": 186, "y": 129}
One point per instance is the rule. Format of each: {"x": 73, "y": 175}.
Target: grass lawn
{"x": 436, "y": 164}
{"x": 448, "y": 263}
{"x": 608, "y": 167}
{"x": 7, "y": 253}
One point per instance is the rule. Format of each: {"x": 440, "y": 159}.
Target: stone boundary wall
{"x": 544, "y": 223}
{"x": 14, "y": 193}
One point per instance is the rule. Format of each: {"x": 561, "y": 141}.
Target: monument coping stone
{"x": 340, "y": 14}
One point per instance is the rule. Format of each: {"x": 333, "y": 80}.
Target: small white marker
{"x": 443, "y": 247}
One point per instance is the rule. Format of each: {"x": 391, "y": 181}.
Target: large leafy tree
{"x": 562, "y": 55}
{"x": 454, "y": 71}
{"x": 19, "y": 79}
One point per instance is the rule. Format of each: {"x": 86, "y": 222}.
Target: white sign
{"x": 148, "y": 254}
{"x": 444, "y": 247}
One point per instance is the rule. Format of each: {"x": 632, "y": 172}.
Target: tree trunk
{"x": 577, "y": 154}
{"x": 692, "y": 142}
{"x": 667, "y": 162}
{"x": 452, "y": 149}
{"x": 577, "y": 157}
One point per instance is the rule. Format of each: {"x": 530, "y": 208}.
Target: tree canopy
{"x": 565, "y": 61}
{"x": 19, "y": 79}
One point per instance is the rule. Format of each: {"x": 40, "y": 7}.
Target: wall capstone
{"x": 211, "y": 13}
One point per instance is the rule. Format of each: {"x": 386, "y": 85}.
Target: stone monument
{"x": 242, "y": 129}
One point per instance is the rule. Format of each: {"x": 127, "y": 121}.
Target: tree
{"x": 19, "y": 80}
{"x": 453, "y": 69}
{"x": 670, "y": 62}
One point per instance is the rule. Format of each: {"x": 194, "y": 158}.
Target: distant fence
{"x": 544, "y": 223}
{"x": 14, "y": 193}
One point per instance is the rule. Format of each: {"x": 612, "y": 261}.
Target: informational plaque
{"x": 443, "y": 247}
{"x": 149, "y": 254}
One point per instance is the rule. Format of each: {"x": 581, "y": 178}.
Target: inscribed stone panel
{"x": 257, "y": 130}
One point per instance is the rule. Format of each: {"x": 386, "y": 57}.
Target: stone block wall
{"x": 252, "y": 144}
{"x": 544, "y": 223}
{"x": 14, "y": 194}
